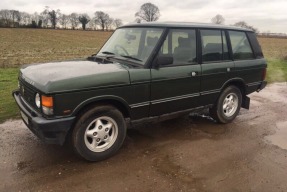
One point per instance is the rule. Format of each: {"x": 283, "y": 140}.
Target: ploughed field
{"x": 25, "y": 46}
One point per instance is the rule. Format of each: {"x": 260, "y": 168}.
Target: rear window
{"x": 240, "y": 46}
{"x": 255, "y": 45}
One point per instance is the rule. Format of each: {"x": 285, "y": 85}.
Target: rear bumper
{"x": 262, "y": 86}
{"x": 50, "y": 131}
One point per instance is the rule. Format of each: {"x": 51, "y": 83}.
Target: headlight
{"x": 38, "y": 100}
{"x": 47, "y": 111}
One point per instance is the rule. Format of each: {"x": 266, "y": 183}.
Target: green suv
{"x": 144, "y": 72}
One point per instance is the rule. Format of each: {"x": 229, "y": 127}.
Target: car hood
{"x": 73, "y": 75}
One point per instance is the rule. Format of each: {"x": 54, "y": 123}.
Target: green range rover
{"x": 144, "y": 72}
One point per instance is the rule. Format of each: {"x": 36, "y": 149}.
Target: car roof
{"x": 185, "y": 25}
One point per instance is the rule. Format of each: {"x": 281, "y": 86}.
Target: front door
{"x": 176, "y": 86}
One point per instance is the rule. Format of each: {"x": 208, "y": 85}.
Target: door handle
{"x": 228, "y": 69}
{"x": 193, "y": 73}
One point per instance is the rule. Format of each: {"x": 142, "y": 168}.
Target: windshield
{"x": 135, "y": 44}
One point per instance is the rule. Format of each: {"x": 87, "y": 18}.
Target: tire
{"x": 99, "y": 133}
{"x": 227, "y": 106}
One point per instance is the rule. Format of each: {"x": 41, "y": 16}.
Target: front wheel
{"x": 227, "y": 106}
{"x": 99, "y": 133}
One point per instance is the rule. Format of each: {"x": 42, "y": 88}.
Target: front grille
{"x": 28, "y": 94}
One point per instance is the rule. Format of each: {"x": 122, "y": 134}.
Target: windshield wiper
{"x": 108, "y": 53}
{"x": 130, "y": 57}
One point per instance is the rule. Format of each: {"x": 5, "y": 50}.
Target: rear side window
{"x": 255, "y": 45}
{"x": 240, "y": 46}
{"x": 214, "y": 46}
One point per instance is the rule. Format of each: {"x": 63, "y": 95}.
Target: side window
{"x": 150, "y": 41}
{"x": 240, "y": 46}
{"x": 255, "y": 44}
{"x": 181, "y": 45}
{"x": 152, "y": 37}
{"x": 214, "y": 46}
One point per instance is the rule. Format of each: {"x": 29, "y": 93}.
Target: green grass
{"x": 8, "y": 83}
{"x": 277, "y": 70}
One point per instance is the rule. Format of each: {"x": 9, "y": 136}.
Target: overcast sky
{"x": 266, "y": 15}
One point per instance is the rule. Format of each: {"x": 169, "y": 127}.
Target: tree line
{"x": 219, "y": 19}
{"x": 51, "y": 18}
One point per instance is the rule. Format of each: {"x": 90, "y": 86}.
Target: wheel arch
{"x": 241, "y": 85}
{"x": 238, "y": 82}
{"x": 115, "y": 101}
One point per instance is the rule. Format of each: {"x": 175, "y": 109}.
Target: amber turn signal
{"x": 47, "y": 101}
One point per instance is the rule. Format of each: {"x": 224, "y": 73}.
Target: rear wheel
{"x": 227, "y": 106}
{"x": 99, "y": 133}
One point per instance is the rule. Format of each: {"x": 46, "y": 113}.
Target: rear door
{"x": 217, "y": 66}
{"x": 175, "y": 87}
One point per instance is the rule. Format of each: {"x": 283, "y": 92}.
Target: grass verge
{"x": 8, "y": 83}
{"x": 277, "y": 70}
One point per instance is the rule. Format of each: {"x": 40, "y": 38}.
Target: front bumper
{"x": 50, "y": 131}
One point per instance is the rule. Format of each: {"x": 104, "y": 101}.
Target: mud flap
{"x": 245, "y": 102}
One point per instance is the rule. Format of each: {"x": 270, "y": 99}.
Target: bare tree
{"x": 36, "y": 17}
{"x": 218, "y": 19}
{"x": 84, "y": 20}
{"x": 118, "y": 23}
{"x": 92, "y": 26}
{"x": 40, "y": 22}
{"x": 109, "y": 24}
{"x": 53, "y": 18}
{"x": 246, "y": 26}
{"x": 74, "y": 20}
{"x": 64, "y": 20}
{"x": 52, "y": 15}
{"x": 25, "y": 18}
{"x": 36, "y": 20}
{"x": 6, "y": 17}
{"x": 45, "y": 19}
{"x": 148, "y": 12}
{"x": 15, "y": 17}
{"x": 101, "y": 18}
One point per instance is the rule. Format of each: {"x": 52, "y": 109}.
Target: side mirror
{"x": 163, "y": 60}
